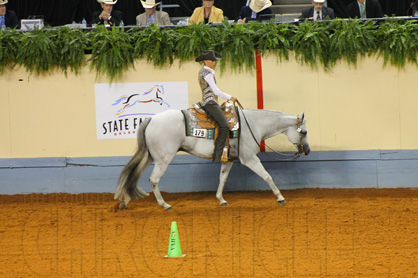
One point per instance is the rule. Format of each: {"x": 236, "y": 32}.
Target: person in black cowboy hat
{"x": 210, "y": 94}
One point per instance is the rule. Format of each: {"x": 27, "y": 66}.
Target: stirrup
{"x": 224, "y": 157}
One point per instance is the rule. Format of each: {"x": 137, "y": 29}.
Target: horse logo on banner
{"x": 152, "y": 95}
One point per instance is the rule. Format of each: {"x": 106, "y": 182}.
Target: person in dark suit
{"x": 107, "y": 16}
{"x": 365, "y": 9}
{"x": 7, "y": 18}
{"x": 254, "y": 10}
{"x": 317, "y": 12}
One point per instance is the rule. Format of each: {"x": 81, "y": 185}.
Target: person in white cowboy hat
{"x": 107, "y": 15}
{"x": 207, "y": 13}
{"x": 254, "y": 10}
{"x": 210, "y": 94}
{"x": 151, "y": 15}
{"x": 317, "y": 12}
{"x": 7, "y": 18}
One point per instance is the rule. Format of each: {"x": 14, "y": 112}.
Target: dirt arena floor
{"x": 320, "y": 233}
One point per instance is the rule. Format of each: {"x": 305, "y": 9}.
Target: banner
{"x": 121, "y": 107}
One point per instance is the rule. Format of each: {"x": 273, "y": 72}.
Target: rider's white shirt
{"x": 211, "y": 81}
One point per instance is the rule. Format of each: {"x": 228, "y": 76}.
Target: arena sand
{"x": 320, "y": 233}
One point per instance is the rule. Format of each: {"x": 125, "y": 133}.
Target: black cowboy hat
{"x": 209, "y": 55}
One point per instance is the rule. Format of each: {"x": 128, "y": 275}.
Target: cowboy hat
{"x": 209, "y": 55}
{"x": 319, "y": 1}
{"x": 3, "y": 2}
{"x": 149, "y": 4}
{"x": 108, "y": 2}
{"x": 259, "y": 5}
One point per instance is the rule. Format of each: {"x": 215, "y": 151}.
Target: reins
{"x": 291, "y": 156}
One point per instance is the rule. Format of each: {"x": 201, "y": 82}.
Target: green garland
{"x": 114, "y": 51}
{"x": 397, "y": 42}
{"x": 71, "y": 45}
{"x": 111, "y": 51}
{"x": 37, "y": 51}
{"x": 350, "y": 39}
{"x": 9, "y": 43}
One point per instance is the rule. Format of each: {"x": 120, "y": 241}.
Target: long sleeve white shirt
{"x": 210, "y": 78}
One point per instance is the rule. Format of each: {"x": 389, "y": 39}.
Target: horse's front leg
{"x": 225, "y": 168}
{"x": 255, "y": 165}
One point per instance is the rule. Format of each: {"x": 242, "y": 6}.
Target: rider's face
{"x": 209, "y": 63}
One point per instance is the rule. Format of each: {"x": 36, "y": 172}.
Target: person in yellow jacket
{"x": 208, "y": 13}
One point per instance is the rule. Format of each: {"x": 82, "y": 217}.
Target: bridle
{"x": 294, "y": 156}
{"x": 301, "y": 149}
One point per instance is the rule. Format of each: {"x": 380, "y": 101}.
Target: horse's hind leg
{"x": 157, "y": 173}
{"x": 225, "y": 168}
{"x": 255, "y": 165}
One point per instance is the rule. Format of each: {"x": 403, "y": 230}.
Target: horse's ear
{"x": 302, "y": 115}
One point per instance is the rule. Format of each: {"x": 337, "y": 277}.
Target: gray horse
{"x": 161, "y": 137}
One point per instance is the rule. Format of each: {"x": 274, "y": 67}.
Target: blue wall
{"x": 328, "y": 169}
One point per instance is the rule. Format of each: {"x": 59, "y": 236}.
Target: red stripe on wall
{"x": 260, "y": 100}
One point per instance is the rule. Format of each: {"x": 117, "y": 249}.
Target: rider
{"x": 210, "y": 94}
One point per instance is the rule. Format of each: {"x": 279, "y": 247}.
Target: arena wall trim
{"x": 321, "y": 169}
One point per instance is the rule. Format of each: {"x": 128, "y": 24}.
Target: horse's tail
{"x": 127, "y": 186}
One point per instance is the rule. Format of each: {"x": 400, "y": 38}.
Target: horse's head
{"x": 298, "y": 135}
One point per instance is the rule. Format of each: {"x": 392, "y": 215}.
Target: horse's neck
{"x": 268, "y": 123}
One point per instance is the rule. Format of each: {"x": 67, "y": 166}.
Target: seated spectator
{"x": 254, "y": 10}
{"x": 318, "y": 11}
{"x": 151, "y": 16}
{"x": 107, "y": 16}
{"x": 8, "y": 18}
{"x": 414, "y": 7}
{"x": 365, "y": 9}
{"x": 208, "y": 13}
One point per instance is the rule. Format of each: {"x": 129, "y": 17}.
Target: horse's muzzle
{"x": 302, "y": 149}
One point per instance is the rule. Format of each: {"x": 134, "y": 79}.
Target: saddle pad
{"x": 194, "y": 125}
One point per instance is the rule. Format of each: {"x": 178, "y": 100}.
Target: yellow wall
{"x": 349, "y": 109}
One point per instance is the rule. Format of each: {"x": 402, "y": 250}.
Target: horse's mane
{"x": 274, "y": 112}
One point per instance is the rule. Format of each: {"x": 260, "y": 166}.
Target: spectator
{"x": 208, "y": 13}
{"x": 7, "y": 18}
{"x": 107, "y": 16}
{"x": 254, "y": 10}
{"x": 365, "y": 9}
{"x": 151, "y": 16}
{"x": 318, "y": 11}
{"x": 414, "y": 6}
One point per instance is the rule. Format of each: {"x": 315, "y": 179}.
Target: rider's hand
{"x": 234, "y": 99}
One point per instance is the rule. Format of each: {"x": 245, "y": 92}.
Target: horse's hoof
{"x": 168, "y": 208}
{"x": 122, "y": 205}
{"x": 282, "y": 202}
{"x": 224, "y": 204}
